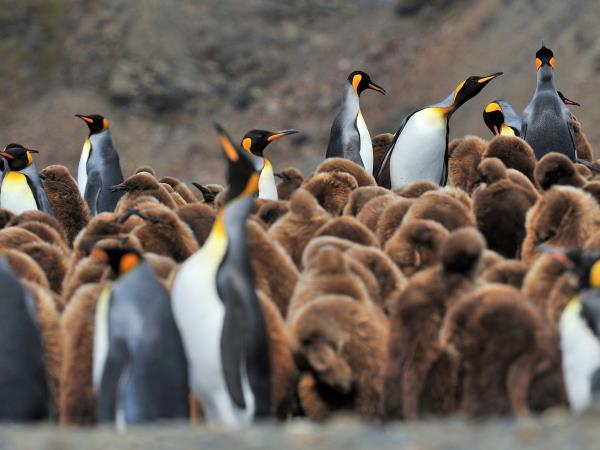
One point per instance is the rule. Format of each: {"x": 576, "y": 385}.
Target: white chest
{"x": 419, "y": 151}
{"x": 82, "y": 169}
{"x": 366, "y": 146}
{"x": 101, "y": 337}
{"x": 267, "y": 188}
{"x": 15, "y": 193}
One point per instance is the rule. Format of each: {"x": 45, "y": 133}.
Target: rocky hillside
{"x": 163, "y": 71}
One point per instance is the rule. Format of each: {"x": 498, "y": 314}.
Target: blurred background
{"x": 163, "y": 71}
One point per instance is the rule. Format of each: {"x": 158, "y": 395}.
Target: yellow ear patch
{"x": 459, "y": 87}
{"x": 247, "y": 144}
{"x": 552, "y": 61}
{"x": 493, "y": 107}
{"x": 128, "y": 261}
{"x": 29, "y": 157}
{"x": 105, "y": 123}
{"x": 356, "y": 81}
{"x": 228, "y": 148}
{"x": 538, "y": 63}
{"x": 595, "y": 275}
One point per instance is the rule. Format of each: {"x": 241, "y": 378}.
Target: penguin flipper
{"x": 388, "y": 154}
{"x": 92, "y": 192}
{"x": 108, "y": 392}
{"x": 572, "y": 134}
{"x": 232, "y": 338}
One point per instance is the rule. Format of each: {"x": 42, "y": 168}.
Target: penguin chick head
{"x": 255, "y": 141}
{"x": 95, "y": 122}
{"x": 544, "y": 57}
{"x": 361, "y": 81}
{"x": 120, "y": 260}
{"x": 470, "y": 87}
{"x": 567, "y": 101}
{"x": 17, "y": 156}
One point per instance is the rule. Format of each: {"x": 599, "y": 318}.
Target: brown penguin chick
{"x": 200, "y": 218}
{"x": 520, "y": 349}
{"x": 371, "y": 212}
{"x": 563, "y": 216}
{"x": 340, "y": 347}
{"x": 46, "y": 219}
{"x": 416, "y": 189}
{"x": 162, "y": 232}
{"x": 514, "y": 152}
{"x": 331, "y": 189}
{"x": 141, "y": 184}
{"x": 178, "y": 199}
{"x": 291, "y": 179}
{"x": 275, "y": 274}
{"x": 458, "y": 194}
{"x": 272, "y": 210}
{"x": 584, "y": 149}
{"x": 5, "y": 217}
{"x": 45, "y": 232}
{"x": 145, "y": 169}
{"x": 416, "y": 245}
{"x": 14, "y": 237}
{"x": 68, "y": 206}
{"x": 593, "y": 242}
{"x": 556, "y": 168}
{"x": 295, "y": 228}
{"x": 360, "y": 196}
{"x": 348, "y": 227}
{"x": 52, "y": 261}
{"x": 489, "y": 259}
{"x": 88, "y": 270}
{"x": 329, "y": 272}
{"x": 517, "y": 177}
{"x": 563, "y": 291}
{"x": 391, "y": 219}
{"x": 180, "y": 187}
{"x": 440, "y": 207}
{"x": 209, "y": 192}
{"x": 163, "y": 266}
{"x": 584, "y": 171}
{"x": 541, "y": 278}
{"x": 511, "y": 272}
{"x": 420, "y": 378}
{"x": 464, "y": 157}
{"x": 332, "y": 165}
{"x": 500, "y": 207}
{"x": 381, "y": 144}
{"x": 25, "y": 267}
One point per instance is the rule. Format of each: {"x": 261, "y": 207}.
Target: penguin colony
{"x": 406, "y": 277}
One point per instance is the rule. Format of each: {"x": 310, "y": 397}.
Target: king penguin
{"x": 255, "y": 142}
{"x": 349, "y": 137}
{"x": 21, "y": 188}
{"x": 24, "y": 391}
{"x": 419, "y": 151}
{"x": 501, "y": 118}
{"x": 217, "y": 310}
{"x": 99, "y": 167}
{"x": 139, "y": 366}
{"x": 546, "y": 122}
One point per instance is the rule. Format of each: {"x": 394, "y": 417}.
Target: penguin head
{"x": 470, "y": 87}
{"x": 255, "y": 141}
{"x": 17, "y": 156}
{"x": 567, "y": 101}
{"x": 121, "y": 260}
{"x": 95, "y": 122}
{"x": 242, "y": 168}
{"x": 493, "y": 116}
{"x": 544, "y": 57}
{"x": 585, "y": 264}
{"x": 361, "y": 81}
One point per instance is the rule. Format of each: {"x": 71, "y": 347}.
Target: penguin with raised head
{"x": 217, "y": 310}
{"x": 139, "y": 366}
{"x": 419, "y": 150}
{"x": 255, "y": 142}
{"x": 501, "y": 118}
{"x": 349, "y": 137}
{"x": 99, "y": 166}
{"x": 546, "y": 121}
{"x": 21, "y": 188}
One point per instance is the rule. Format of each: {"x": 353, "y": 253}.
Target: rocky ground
{"x": 554, "y": 431}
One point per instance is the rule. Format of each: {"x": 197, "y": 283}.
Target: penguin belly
{"x": 82, "y": 169}
{"x": 580, "y": 356}
{"x": 267, "y": 188}
{"x": 366, "y": 146}
{"x": 419, "y": 151}
{"x": 15, "y": 193}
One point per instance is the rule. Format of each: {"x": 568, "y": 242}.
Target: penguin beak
{"x": 568, "y": 101}
{"x": 557, "y": 254}
{"x": 377, "y": 88}
{"x": 280, "y": 134}
{"x": 485, "y": 80}
{"x": 84, "y": 118}
{"x": 117, "y": 188}
{"x": 32, "y": 150}
{"x": 278, "y": 175}
{"x": 7, "y": 155}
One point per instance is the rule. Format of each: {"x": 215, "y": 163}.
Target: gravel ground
{"x": 554, "y": 431}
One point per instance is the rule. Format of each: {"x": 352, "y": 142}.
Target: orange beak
{"x": 84, "y": 118}
{"x": 280, "y": 134}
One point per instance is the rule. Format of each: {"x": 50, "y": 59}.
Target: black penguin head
{"x": 361, "y": 81}
{"x": 493, "y": 116}
{"x": 120, "y": 260}
{"x": 567, "y": 101}
{"x": 17, "y": 156}
{"x": 242, "y": 168}
{"x": 95, "y": 122}
{"x": 470, "y": 87}
{"x": 255, "y": 141}
{"x": 544, "y": 57}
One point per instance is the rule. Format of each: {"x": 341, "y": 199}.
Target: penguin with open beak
{"x": 99, "y": 166}
{"x": 501, "y": 118}
{"x": 21, "y": 188}
{"x": 139, "y": 366}
{"x": 217, "y": 310}
{"x": 255, "y": 142}
{"x": 419, "y": 150}
{"x": 349, "y": 137}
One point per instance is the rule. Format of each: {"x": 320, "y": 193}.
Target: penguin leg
{"x": 107, "y": 397}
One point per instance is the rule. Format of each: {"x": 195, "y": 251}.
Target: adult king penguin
{"x": 349, "y": 137}
{"x": 139, "y": 366}
{"x": 501, "y": 118}
{"x": 546, "y": 122}
{"x": 217, "y": 310}
{"x": 21, "y": 188}
{"x": 99, "y": 167}
{"x": 255, "y": 141}
{"x": 419, "y": 150}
